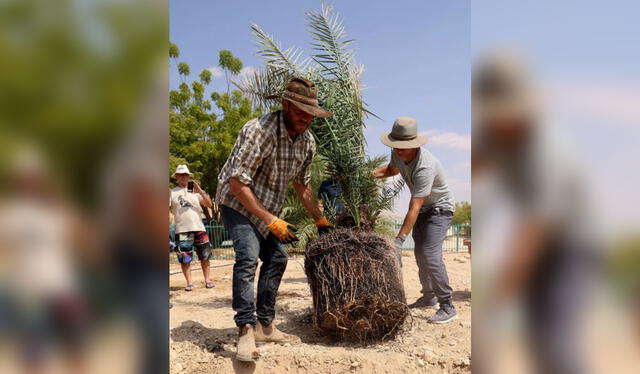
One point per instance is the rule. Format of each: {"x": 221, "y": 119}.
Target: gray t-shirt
{"x": 425, "y": 178}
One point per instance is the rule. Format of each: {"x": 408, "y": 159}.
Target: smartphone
{"x": 190, "y": 186}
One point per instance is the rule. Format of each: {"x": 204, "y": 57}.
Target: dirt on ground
{"x": 203, "y": 334}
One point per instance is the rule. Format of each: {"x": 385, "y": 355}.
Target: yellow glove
{"x": 282, "y": 230}
{"x": 323, "y": 225}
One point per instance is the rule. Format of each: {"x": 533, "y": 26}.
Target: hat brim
{"x": 313, "y": 110}
{"x": 387, "y": 140}
{"x": 190, "y": 174}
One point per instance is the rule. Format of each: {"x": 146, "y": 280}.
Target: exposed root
{"x": 356, "y": 286}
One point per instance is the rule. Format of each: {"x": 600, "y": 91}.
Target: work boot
{"x": 445, "y": 314}
{"x": 271, "y": 334}
{"x": 247, "y": 350}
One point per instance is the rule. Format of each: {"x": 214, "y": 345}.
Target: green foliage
{"x": 294, "y": 212}
{"x": 341, "y": 143}
{"x": 174, "y": 52}
{"x": 73, "y": 80}
{"x": 462, "y": 213}
{"x": 386, "y": 227}
{"x": 205, "y": 76}
{"x": 183, "y": 69}
{"x": 229, "y": 64}
{"x": 621, "y": 267}
{"x": 199, "y": 136}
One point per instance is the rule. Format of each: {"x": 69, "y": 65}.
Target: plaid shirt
{"x": 265, "y": 158}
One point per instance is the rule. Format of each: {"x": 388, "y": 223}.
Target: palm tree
{"x": 340, "y": 139}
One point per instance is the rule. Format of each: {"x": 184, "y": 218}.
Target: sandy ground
{"x": 203, "y": 334}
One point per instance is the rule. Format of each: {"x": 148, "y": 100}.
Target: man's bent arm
{"x": 385, "y": 171}
{"x": 305, "y": 195}
{"x": 412, "y": 215}
{"x": 249, "y": 200}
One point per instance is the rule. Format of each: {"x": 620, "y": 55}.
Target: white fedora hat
{"x": 182, "y": 169}
{"x": 404, "y": 134}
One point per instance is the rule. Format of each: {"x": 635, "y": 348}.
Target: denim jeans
{"x": 429, "y": 232}
{"x": 249, "y": 245}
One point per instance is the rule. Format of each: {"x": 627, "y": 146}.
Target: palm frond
{"x": 328, "y": 33}
{"x": 288, "y": 60}
{"x": 263, "y": 87}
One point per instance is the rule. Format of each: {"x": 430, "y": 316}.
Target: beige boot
{"x": 247, "y": 350}
{"x": 271, "y": 334}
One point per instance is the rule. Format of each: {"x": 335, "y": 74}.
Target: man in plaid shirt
{"x": 270, "y": 152}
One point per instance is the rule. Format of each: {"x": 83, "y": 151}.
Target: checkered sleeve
{"x": 252, "y": 146}
{"x": 304, "y": 176}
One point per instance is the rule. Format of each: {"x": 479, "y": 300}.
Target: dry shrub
{"x": 356, "y": 286}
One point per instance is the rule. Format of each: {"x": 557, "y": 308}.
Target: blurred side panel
{"x": 556, "y": 267}
{"x": 83, "y": 145}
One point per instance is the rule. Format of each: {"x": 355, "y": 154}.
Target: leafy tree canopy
{"x": 462, "y": 214}
{"x": 203, "y": 129}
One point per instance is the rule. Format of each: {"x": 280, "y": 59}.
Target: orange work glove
{"x": 285, "y": 232}
{"x": 323, "y": 225}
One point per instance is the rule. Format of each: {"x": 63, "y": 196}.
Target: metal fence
{"x": 222, "y": 245}
{"x": 457, "y": 239}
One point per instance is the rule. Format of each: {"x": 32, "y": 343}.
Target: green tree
{"x": 200, "y": 137}
{"x": 229, "y": 64}
{"x": 71, "y": 96}
{"x": 462, "y": 214}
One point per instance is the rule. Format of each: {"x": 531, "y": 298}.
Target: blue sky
{"x": 416, "y": 56}
{"x": 585, "y": 58}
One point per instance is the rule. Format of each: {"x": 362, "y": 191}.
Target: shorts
{"x": 194, "y": 241}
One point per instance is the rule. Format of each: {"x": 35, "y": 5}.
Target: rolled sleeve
{"x": 253, "y": 148}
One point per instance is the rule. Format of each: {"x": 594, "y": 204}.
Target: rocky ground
{"x": 203, "y": 334}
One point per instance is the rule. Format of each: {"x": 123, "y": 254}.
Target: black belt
{"x": 439, "y": 212}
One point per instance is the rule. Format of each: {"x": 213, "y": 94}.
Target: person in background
{"x": 43, "y": 239}
{"x": 191, "y": 233}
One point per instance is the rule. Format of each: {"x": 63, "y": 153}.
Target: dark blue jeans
{"x": 429, "y": 232}
{"x": 249, "y": 245}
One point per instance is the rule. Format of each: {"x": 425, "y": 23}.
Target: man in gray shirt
{"x": 429, "y": 215}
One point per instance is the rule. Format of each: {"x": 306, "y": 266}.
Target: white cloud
{"x": 450, "y": 140}
{"x": 247, "y": 71}
{"x": 609, "y": 102}
{"x": 216, "y": 72}
{"x": 429, "y": 133}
